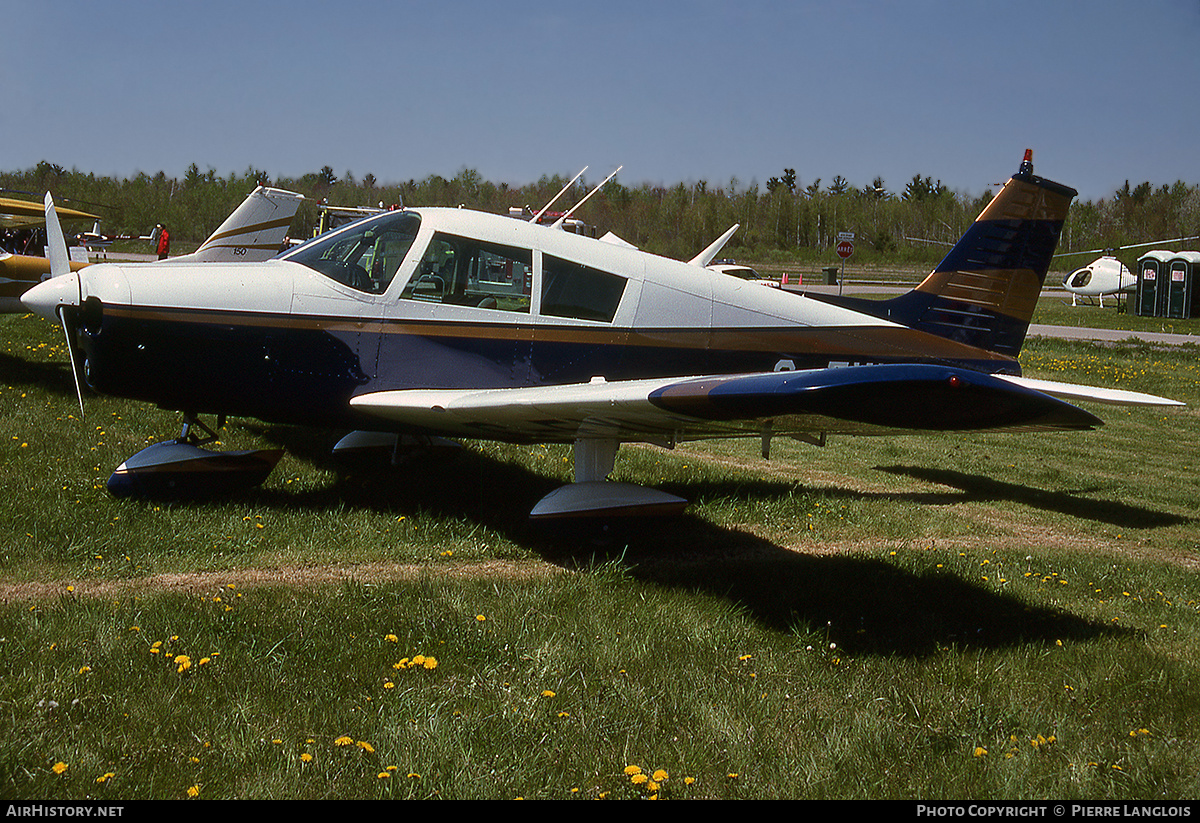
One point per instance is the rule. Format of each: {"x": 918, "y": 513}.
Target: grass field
{"x": 981, "y": 616}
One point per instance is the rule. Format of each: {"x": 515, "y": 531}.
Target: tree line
{"x": 785, "y": 220}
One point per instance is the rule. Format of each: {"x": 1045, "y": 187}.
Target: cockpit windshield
{"x": 364, "y": 255}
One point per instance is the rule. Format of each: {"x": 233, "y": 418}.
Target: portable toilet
{"x": 1150, "y": 300}
{"x": 1182, "y": 295}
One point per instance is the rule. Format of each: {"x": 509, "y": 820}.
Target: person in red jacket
{"x": 164, "y": 241}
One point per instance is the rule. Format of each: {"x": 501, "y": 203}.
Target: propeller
{"x": 60, "y": 265}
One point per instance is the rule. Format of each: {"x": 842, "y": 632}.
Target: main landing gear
{"x": 591, "y": 495}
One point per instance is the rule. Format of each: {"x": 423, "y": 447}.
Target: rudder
{"x": 985, "y": 290}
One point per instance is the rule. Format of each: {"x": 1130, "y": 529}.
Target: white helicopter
{"x": 1107, "y": 276}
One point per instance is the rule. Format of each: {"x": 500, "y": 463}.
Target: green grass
{"x": 981, "y": 616}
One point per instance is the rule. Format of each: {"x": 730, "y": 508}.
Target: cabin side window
{"x": 364, "y": 256}
{"x": 577, "y": 291}
{"x": 466, "y": 272}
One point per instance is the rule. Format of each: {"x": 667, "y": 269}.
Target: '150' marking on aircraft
{"x": 450, "y": 322}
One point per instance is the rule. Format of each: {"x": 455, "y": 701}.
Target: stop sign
{"x": 845, "y": 249}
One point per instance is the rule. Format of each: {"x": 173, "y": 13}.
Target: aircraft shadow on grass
{"x": 53, "y": 378}
{"x": 979, "y": 488}
{"x": 862, "y": 605}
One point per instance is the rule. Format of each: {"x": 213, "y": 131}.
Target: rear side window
{"x": 577, "y": 291}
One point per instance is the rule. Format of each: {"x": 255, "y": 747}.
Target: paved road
{"x": 1114, "y": 335}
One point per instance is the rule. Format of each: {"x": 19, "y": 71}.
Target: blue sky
{"x": 711, "y": 90}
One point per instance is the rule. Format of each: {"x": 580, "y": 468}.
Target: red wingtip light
{"x": 1028, "y": 155}
{"x": 955, "y": 381}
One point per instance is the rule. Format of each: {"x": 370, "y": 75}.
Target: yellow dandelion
{"x": 631, "y": 770}
{"x": 548, "y": 693}
{"x": 660, "y": 775}
{"x": 639, "y": 779}
{"x": 104, "y": 778}
{"x": 306, "y": 758}
{"x": 344, "y": 740}
{"x": 391, "y": 638}
{"x": 430, "y": 663}
{"x": 382, "y": 775}
{"x": 59, "y": 767}
{"x": 480, "y": 618}
{"x": 365, "y": 746}
{"x": 85, "y": 669}
{"x": 980, "y": 751}
{"x": 182, "y": 663}
{"x": 193, "y": 791}
{"x": 389, "y": 685}
{"x": 687, "y": 781}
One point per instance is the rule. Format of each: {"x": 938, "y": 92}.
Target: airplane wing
{"x": 874, "y": 400}
{"x": 20, "y": 214}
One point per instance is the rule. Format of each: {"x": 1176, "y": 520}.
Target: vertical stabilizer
{"x": 254, "y": 232}
{"x": 985, "y": 290}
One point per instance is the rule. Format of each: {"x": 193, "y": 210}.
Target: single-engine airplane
{"x": 447, "y": 322}
{"x": 255, "y": 231}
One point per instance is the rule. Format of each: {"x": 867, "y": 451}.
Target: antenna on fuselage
{"x": 538, "y": 216}
{"x": 558, "y": 223}
{"x": 705, "y": 257}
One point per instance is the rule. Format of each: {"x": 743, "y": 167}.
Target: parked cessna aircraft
{"x": 1107, "y": 276}
{"x": 450, "y": 322}
{"x": 253, "y": 232}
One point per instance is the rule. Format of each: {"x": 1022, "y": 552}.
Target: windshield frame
{"x": 338, "y": 254}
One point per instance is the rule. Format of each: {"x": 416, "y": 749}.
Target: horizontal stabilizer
{"x": 1097, "y": 394}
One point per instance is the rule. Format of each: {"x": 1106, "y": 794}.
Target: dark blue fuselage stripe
{"x": 280, "y": 369}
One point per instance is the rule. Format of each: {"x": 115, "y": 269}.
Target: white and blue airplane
{"x": 442, "y": 322}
